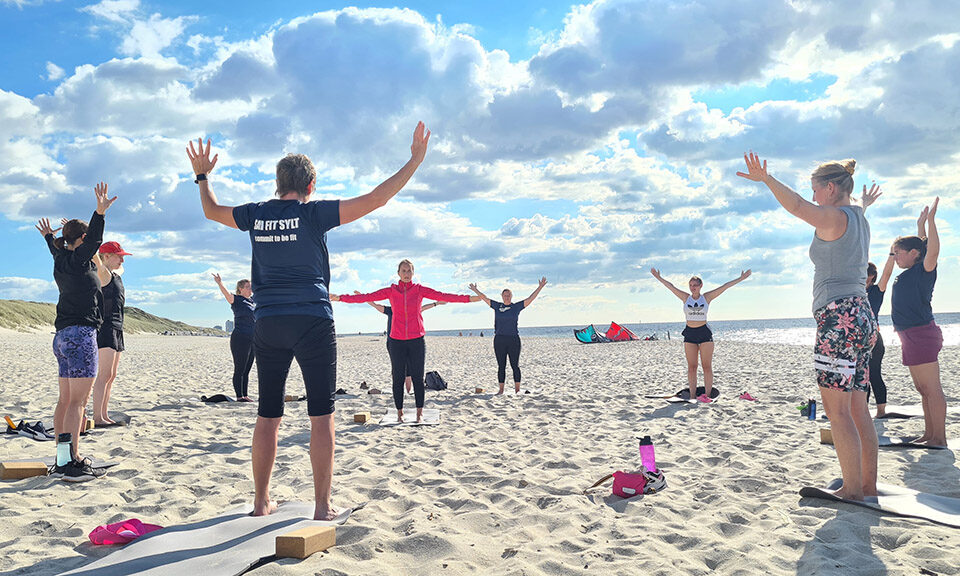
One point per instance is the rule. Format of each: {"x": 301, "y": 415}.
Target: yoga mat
{"x": 900, "y": 502}
{"x": 51, "y": 460}
{"x": 905, "y": 442}
{"x": 896, "y": 442}
{"x": 227, "y": 545}
{"x": 431, "y": 416}
{"x": 684, "y": 394}
{"x": 911, "y": 411}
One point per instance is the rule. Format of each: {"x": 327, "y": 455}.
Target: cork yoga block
{"x": 362, "y": 417}
{"x": 18, "y": 470}
{"x": 826, "y": 436}
{"x": 478, "y": 390}
{"x": 306, "y": 541}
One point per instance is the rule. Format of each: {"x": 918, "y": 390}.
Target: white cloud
{"x": 150, "y": 37}
{"x": 34, "y": 289}
{"x": 54, "y": 72}
{"x": 119, "y": 11}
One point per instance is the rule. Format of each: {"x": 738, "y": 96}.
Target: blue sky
{"x": 582, "y": 142}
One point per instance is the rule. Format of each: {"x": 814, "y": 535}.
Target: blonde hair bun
{"x": 850, "y": 165}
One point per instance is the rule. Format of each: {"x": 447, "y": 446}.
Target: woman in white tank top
{"x": 697, "y": 336}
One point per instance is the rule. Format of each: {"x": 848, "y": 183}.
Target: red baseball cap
{"x": 113, "y": 248}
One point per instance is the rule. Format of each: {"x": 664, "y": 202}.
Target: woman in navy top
{"x": 241, "y": 339}
{"x": 920, "y": 337}
{"x": 876, "y": 288}
{"x": 506, "y": 335}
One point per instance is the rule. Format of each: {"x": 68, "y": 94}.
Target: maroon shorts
{"x": 921, "y": 344}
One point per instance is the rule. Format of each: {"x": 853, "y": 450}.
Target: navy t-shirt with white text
{"x": 290, "y": 266}
{"x": 505, "y": 318}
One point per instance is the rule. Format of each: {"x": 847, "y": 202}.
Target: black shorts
{"x": 312, "y": 340}
{"x": 109, "y": 337}
{"x": 697, "y": 335}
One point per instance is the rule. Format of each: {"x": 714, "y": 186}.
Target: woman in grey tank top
{"x": 846, "y": 328}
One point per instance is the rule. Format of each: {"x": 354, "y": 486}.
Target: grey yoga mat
{"x": 910, "y": 411}
{"x": 227, "y": 545}
{"x": 431, "y": 416}
{"x": 900, "y": 502}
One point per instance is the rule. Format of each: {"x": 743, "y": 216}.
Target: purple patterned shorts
{"x": 846, "y": 333}
{"x": 76, "y": 350}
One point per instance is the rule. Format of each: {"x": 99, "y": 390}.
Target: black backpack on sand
{"x": 434, "y": 381}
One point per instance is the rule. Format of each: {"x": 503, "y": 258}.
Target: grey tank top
{"x": 840, "y": 266}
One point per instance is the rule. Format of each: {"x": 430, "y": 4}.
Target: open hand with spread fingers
{"x": 756, "y": 170}
{"x": 200, "y": 157}
{"x": 421, "y": 136}
{"x": 104, "y": 201}
{"x": 870, "y": 197}
{"x": 43, "y": 226}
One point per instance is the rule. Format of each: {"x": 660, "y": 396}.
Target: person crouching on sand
{"x": 294, "y": 318}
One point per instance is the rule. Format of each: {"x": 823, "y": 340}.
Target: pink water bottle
{"x": 646, "y": 454}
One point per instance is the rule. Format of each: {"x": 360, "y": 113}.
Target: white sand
{"x": 496, "y": 488}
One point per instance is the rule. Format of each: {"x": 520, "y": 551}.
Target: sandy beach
{"x": 497, "y": 487}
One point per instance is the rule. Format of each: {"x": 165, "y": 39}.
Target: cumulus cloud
{"x": 54, "y": 72}
{"x": 34, "y": 289}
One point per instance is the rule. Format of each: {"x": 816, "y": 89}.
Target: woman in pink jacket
{"x": 407, "y": 349}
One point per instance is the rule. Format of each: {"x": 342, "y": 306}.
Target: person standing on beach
{"x": 697, "y": 336}
{"x": 388, "y": 311}
{"x": 876, "y": 289}
{"x": 846, "y": 328}
{"x": 506, "y": 334}
{"x": 294, "y": 318}
{"x": 920, "y": 337}
{"x": 241, "y": 339}
{"x": 77, "y": 321}
{"x": 408, "y": 351}
{"x": 110, "y": 334}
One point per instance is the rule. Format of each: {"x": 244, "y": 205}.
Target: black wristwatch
{"x": 200, "y": 178}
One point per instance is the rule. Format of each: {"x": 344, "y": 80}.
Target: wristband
{"x": 200, "y": 178}
{"x": 892, "y": 254}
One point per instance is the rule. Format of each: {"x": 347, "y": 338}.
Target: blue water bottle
{"x": 64, "y": 456}
{"x": 813, "y": 409}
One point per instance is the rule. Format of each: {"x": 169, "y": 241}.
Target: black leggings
{"x": 876, "y": 378}
{"x": 504, "y": 346}
{"x": 241, "y": 346}
{"x": 407, "y": 358}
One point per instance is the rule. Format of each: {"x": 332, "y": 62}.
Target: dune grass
{"x": 24, "y": 316}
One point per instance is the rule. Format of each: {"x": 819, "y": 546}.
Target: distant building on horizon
{"x": 228, "y": 326}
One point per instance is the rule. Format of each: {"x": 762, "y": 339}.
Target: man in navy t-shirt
{"x": 290, "y": 271}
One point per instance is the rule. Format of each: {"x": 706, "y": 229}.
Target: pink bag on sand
{"x": 627, "y": 485}
{"x": 121, "y": 532}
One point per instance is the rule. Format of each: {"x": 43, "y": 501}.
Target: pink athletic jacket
{"x": 405, "y": 299}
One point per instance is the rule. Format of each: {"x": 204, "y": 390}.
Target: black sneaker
{"x": 80, "y": 471}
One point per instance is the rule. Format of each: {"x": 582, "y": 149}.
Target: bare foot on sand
{"x": 419, "y": 414}
{"x": 399, "y": 415}
{"x": 265, "y": 508}
{"x": 327, "y": 512}
{"x": 848, "y": 494}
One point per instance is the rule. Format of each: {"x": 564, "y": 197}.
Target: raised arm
{"x": 94, "y": 236}
{"x": 479, "y": 293}
{"x": 830, "y": 222}
{"x": 887, "y": 272}
{"x": 359, "y": 298}
{"x": 360, "y": 206}
{"x": 102, "y": 273}
{"x": 744, "y": 274}
{"x": 446, "y": 296}
{"x": 532, "y": 297}
{"x": 922, "y": 222}
{"x": 202, "y": 165}
{"x": 933, "y": 239}
{"x": 676, "y": 291}
{"x": 868, "y": 198}
{"x": 223, "y": 290}
{"x": 43, "y": 227}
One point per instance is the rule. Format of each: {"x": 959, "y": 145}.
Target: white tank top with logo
{"x": 696, "y": 310}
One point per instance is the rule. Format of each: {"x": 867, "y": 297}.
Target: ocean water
{"x": 798, "y": 331}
